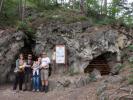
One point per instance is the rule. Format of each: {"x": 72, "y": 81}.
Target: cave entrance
{"x": 100, "y": 63}
{"x": 29, "y": 44}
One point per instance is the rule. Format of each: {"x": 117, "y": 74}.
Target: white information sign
{"x": 60, "y": 54}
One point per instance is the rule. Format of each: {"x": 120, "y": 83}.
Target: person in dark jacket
{"x": 28, "y": 74}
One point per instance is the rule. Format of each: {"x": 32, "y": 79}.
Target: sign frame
{"x": 63, "y": 47}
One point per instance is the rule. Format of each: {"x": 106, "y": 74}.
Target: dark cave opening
{"x": 28, "y": 48}
{"x": 29, "y": 44}
{"x": 100, "y": 63}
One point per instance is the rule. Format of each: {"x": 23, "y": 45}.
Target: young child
{"x": 36, "y": 74}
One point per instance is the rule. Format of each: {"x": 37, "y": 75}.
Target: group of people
{"x": 32, "y": 75}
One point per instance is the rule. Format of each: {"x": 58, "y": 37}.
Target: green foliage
{"x": 43, "y": 4}
{"x": 101, "y": 13}
{"x": 115, "y": 11}
{"x": 92, "y": 78}
{"x": 130, "y": 78}
{"x": 62, "y": 15}
{"x": 27, "y": 29}
{"x": 130, "y": 59}
{"x": 105, "y": 21}
{"x": 130, "y": 47}
{"x": 119, "y": 66}
{"x": 93, "y": 5}
{"x": 8, "y": 15}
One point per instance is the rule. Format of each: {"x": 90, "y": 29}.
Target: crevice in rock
{"x": 29, "y": 43}
{"x": 101, "y": 63}
{"x": 28, "y": 48}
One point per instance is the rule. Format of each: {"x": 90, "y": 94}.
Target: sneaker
{"x": 33, "y": 90}
{"x": 37, "y": 90}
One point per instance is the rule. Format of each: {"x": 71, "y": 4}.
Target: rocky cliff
{"x": 10, "y": 44}
{"x": 83, "y": 41}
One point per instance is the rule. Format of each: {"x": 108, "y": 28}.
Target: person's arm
{"x": 16, "y": 67}
{"x": 24, "y": 65}
{"x": 33, "y": 65}
{"x": 27, "y": 65}
{"x": 48, "y": 62}
{"x": 43, "y": 66}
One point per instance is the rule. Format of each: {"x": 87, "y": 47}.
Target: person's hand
{"x": 28, "y": 66}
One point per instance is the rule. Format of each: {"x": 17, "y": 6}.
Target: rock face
{"x": 83, "y": 41}
{"x": 63, "y": 82}
{"x": 10, "y": 44}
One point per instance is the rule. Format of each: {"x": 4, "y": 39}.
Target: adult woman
{"x": 19, "y": 72}
{"x": 36, "y": 74}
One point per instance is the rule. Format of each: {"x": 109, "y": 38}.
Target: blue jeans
{"x": 36, "y": 82}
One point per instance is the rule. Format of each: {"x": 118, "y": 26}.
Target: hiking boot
{"x": 24, "y": 89}
{"x": 42, "y": 88}
{"x": 46, "y": 89}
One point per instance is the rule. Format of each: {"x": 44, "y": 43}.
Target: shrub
{"x": 130, "y": 47}
{"x": 130, "y": 59}
{"x": 130, "y": 78}
{"x": 119, "y": 66}
{"x": 27, "y": 29}
{"x": 93, "y": 78}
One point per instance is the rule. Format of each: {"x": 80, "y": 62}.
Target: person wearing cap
{"x": 45, "y": 61}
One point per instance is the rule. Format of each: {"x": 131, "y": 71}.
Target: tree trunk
{"x": 22, "y": 6}
{"x": 56, "y": 2}
{"x": 23, "y": 9}
{"x": 20, "y": 9}
{"x": 101, "y": 10}
{"x": 1, "y": 5}
{"x": 105, "y": 7}
{"x": 82, "y": 6}
{"x": 62, "y": 2}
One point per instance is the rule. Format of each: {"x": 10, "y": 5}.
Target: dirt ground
{"x": 84, "y": 93}
{"x": 87, "y": 92}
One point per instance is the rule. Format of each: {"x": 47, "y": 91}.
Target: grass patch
{"x": 62, "y": 15}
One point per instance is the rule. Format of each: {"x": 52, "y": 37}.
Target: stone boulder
{"x": 63, "y": 82}
{"x": 96, "y": 73}
{"x": 116, "y": 79}
{"x": 10, "y": 45}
